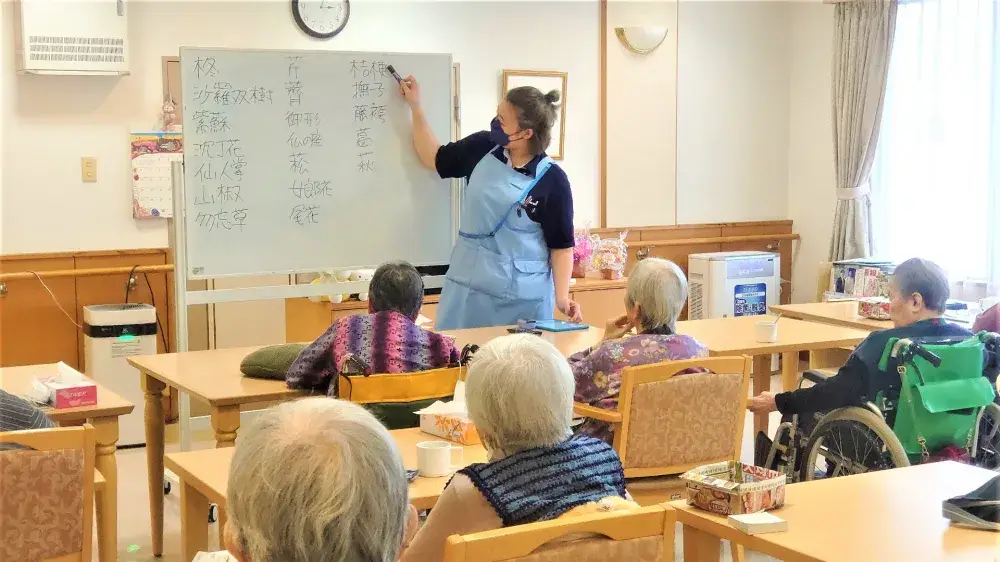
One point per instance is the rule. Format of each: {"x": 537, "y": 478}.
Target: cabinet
{"x": 305, "y": 320}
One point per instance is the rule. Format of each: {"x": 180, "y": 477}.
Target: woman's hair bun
{"x": 553, "y": 96}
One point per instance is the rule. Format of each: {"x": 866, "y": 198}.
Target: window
{"x": 936, "y": 177}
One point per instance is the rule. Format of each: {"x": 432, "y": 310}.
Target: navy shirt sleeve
{"x": 458, "y": 159}
{"x": 555, "y": 209}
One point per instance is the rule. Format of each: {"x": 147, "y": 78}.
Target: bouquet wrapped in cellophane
{"x": 610, "y": 255}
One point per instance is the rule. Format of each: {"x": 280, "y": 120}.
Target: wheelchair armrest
{"x": 815, "y": 376}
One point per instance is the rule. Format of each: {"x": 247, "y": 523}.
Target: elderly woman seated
{"x": 386, "y": 340}
{"x": 520, "y": 397}
{"x": 317, "y": 480}
{"x": 654, "y": 297}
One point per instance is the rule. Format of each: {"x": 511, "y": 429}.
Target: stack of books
{"x": 861, "y": 278}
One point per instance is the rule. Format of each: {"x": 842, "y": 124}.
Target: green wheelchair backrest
{"x": 938, "y": 406}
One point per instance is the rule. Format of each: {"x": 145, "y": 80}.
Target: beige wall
{"x": 641, "y": 119}
{"x": 811, "y": 183}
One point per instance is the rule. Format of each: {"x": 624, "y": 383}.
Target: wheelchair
{"x": 943, "y": 401}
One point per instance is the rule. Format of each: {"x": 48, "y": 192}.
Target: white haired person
{"x": 317, "y": 480}
{"x": 655, "y": 294}
{"x": 520, "y": 397}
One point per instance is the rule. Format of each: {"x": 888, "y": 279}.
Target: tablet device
{"x": 559, "y": 326}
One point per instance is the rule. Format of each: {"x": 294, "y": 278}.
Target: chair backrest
{"x": 47, "y": 495}
{"x": 401, "y": 387}
{"x": 675, "y": 418}
{"x": 642, "y": 535}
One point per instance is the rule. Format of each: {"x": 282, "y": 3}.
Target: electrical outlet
{"x": 88, "y": 169}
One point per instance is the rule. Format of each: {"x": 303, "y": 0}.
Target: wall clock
{"x": 321, "y": 19}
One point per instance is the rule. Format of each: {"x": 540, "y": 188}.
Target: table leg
{"x": 194, "y": 521}
{"x": 700, "y": 546}
{"x": 789, "y": 371}
{"x": 761, "y": 383}
{"x": 155, "y": 427}
{"x": 106, "y": 436}
{"x": 225, "y": 422}
{"x": 222, "y": 528}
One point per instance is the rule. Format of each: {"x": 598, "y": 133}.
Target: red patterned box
{"x": 732, "y": 488}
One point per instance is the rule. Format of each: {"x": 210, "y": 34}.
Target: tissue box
{"x": 70, "y": 395}
{"x": 731, "y": 487}
{"x": 450, "y": 427}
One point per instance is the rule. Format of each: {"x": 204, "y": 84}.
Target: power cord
{"x": 55, "y": 300}
{"x": 152, "y": 298}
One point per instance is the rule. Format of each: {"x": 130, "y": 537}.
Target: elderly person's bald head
{"x": 316, "y": 480}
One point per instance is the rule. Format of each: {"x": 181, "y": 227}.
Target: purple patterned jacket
{"x": 598, "y": 371}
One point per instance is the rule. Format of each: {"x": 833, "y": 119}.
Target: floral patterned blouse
{"x": 598, "y": 371}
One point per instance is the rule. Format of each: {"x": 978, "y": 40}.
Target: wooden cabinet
{"x": 305, "y": 320}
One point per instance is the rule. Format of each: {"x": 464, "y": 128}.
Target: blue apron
{"x": 499, "y": 271}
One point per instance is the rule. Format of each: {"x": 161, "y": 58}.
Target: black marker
{"x": 395, "y": 74}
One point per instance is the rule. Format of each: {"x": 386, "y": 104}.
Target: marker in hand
{"x": 395, "y": 74}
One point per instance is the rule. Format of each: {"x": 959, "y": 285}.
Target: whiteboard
{"x": 299, "y": 161}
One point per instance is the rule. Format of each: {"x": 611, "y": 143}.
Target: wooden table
{"x": 737, "y": 336}
{"x": 204, "y": 476}
{"x": 838, "y": 313}
{"x": 214, "y": 377}
{"x": 887, "y": 515}
{"x": 104, "y": 417}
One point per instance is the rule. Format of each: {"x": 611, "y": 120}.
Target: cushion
{"x": 271, "y": 362}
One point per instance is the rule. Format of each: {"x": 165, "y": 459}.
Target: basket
{"x": 732, "y": 488}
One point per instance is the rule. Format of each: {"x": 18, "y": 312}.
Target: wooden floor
{"x": 133, "y": 500}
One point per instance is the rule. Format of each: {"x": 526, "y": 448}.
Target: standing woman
{"x": 514, "y": 256}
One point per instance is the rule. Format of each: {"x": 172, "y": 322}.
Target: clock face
{"x": 321, "y": 19}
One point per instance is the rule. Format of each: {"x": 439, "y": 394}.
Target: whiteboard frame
{"x": 456, "y": 185}
{"x": 184, "y": 297}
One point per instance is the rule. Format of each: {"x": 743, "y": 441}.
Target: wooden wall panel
{"x": 110, "y": 289}
{"x": 32, "y": 328}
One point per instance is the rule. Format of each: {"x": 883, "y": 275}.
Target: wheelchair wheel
{"x": 851, "y": 441}
{"x": 988, "y": 438}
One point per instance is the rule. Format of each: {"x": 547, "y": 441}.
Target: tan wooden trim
{"x": 84, "y": 254}
{"x": 164, "y": 64}
{"x": 588, "y": 411}
{"x": 93, "y": 272}
{"x": 713, "y": 240}
{"x": 603, "y": 96}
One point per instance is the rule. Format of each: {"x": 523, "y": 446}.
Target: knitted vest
{"x": 543, "y": 483}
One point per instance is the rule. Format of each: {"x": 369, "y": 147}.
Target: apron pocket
{"x": 532, "y": 280}
{"x": 481, "y": 270}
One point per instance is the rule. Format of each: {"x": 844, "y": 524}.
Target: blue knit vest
{"x": 543, "y": 483}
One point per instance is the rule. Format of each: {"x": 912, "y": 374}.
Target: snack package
{"x": 583, "y": 250}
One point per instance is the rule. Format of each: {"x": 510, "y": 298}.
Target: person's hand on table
{"x": 570, "y": 308}
{"x": 410, "y": 91}
{"x": 617, "y": 327}
{"x": 763, "y": 403}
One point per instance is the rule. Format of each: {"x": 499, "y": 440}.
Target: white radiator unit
{"x": 112, "y": 333}
{"x": 729, "y": 284}
{"x": 71, "y": 37}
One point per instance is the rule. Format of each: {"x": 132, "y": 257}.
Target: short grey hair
{"x": 519, "y": 392}
{"x": 397, "y": 286}
{"x": 926, "y": 278}
{"x": 317, "y": 480}
{"x": 659, "y": 288}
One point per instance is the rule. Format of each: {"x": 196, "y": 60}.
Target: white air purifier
{"x": 112, "y": 333}
{"x": 729, "y": 284}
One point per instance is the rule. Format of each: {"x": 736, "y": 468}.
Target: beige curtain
{"x": 863, "y": 33}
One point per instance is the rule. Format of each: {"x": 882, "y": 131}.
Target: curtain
{"x": 863, "y": 32}
{"x": 936, "y": 179}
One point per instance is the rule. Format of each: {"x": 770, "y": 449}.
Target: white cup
{"x": 767, "y": 332}
{"x": 438, "y": 458}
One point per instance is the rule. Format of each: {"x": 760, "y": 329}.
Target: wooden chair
{"x": 47, "y": 495}
{"x": 643, "y": 535}
{"x": 394, "y": 397}
{"x": 669, "y": 421}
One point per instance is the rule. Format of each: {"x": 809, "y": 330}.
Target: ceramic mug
{"x": 767, "y": 331}
{"x": 438, "y": 458}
